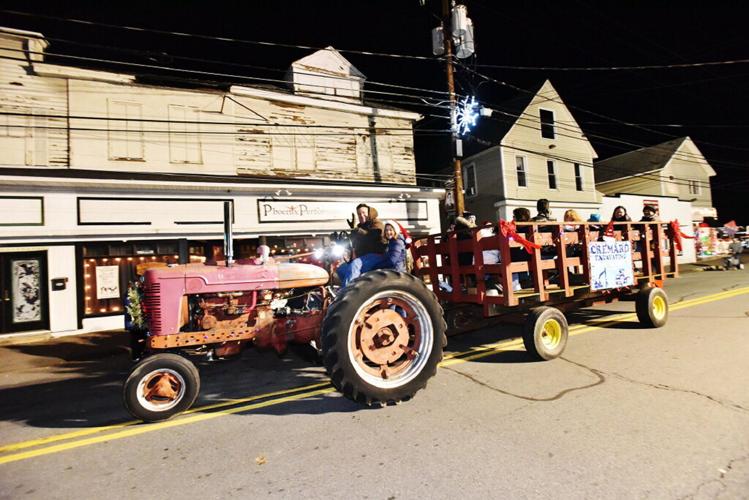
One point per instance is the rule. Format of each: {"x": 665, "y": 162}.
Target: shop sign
{"x": 275, "y": 211}
{"x": 610, "y": 264}
{"x": 107, "y": 282}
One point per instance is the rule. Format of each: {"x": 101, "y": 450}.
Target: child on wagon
{"x": 398, "y": 240}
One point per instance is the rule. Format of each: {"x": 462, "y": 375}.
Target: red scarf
{"x": 609, "y": 229}
{"x": 508, "y": 230}
{"x": 677, "y": 234}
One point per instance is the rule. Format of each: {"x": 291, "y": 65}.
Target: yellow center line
{"x": 142, "y": 429}
{"x": 96, "y": 430}
{"x": 303, "y": 392}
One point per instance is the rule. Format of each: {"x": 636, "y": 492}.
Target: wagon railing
{"x": 557, "y": 262}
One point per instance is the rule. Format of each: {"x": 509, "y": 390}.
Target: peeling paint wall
{"x": 126, "y": 127}
{"x": 28, "y": 135}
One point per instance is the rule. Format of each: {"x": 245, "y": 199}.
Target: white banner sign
{"x": 610, "y": 264}
{"x": 107, "y": 282}
{"x": 330, "y": 211}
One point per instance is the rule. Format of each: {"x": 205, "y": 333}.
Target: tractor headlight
{"x": 336, "y": 250}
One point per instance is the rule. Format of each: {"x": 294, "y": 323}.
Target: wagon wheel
{"x": 161, "y": 386}
{"x": 651, "y": 305}
{"x": 383, "y": 338}
{"x": 545, "y": 332}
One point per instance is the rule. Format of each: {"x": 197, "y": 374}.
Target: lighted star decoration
{"x": 466, "y": 115}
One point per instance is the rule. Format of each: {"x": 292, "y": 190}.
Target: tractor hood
{"x": 201, "y": 278}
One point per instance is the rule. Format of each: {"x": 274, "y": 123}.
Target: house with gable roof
{"x": 674, "y": 168}
{"x": 540, "y": 152}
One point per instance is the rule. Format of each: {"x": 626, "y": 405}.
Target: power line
{"x": 239, "y": 65}
{"x": 220, "y": 38}
{"x": 599, "y": 167}
{"x": 600, "y": 115}
{"x": 198, "y": 122}
{"x": 644, "y": 175}
{"x": 617, "y": 68}
{"x": 582, "y": 138}
{"x": 675, "y": 125}
{"x": 217, "y": 132}
{"x": 190, "y": 71}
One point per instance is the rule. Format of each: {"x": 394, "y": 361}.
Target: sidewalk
{"x": 77, "y": 350}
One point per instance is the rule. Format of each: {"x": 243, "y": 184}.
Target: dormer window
{"x": 547, "y": 123}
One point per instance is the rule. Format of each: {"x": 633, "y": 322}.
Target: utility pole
{"x": 457, "y": 168}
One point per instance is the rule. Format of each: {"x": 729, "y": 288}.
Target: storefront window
{"x": 293, "y": 245}
{"x": 107, "y": 270}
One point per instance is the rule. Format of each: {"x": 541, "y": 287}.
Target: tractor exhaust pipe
{"x": 228, "y": 238}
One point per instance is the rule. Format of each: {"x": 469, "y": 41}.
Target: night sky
{"x": 707, "y": 103}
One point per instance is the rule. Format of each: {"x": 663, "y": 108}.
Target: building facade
{"x": 103, "y": 174}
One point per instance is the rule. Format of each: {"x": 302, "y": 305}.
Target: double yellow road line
{"x": 85, "y": 437}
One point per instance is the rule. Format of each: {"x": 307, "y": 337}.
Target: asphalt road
{"x": 624, "y": 413}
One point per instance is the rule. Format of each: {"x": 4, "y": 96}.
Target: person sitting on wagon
{"x": 368, "y": 242}
{"x": 463, "y": 226}
{"x": 544, "y": 212}
{"x": 572, "y": 218}
{"x": 594, "y": 217}
{"x": 518, "y": 254}
{"x": 620, "y": 215}
{"x": 648, "y": 214}
{"x": 544, "y": 215}
{"x": 492, "y": 256}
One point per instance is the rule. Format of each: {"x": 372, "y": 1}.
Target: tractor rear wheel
{"x": 651, "y": 305}
{"x": 160, "y": 386}
{"x": 382, "y": 338}
{"x": 545, "y": 332}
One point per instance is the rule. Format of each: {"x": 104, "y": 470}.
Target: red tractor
{"x": 381, "y": 338}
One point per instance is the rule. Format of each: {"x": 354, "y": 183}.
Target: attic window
{"x": 547, "y": 123}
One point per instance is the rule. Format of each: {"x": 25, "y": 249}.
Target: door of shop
{"x": 23, "y": 288}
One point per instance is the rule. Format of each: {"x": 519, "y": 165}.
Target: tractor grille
{"x": 152, "y": 302}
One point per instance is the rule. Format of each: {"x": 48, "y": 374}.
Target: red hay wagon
{"x": 545, "y": 268}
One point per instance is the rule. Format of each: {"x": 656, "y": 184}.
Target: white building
{"x": 101, "y": 171}
{"x": 669, "y": 208}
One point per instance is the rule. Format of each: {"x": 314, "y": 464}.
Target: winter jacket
{"x": 369, "y": 236}
{"x": 543, "y": 217}
{"x": 395, "y": 257}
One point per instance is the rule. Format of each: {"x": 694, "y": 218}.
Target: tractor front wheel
{"x": 160, "y": 386}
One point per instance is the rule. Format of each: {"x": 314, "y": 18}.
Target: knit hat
{"x": 402, "y": 231}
